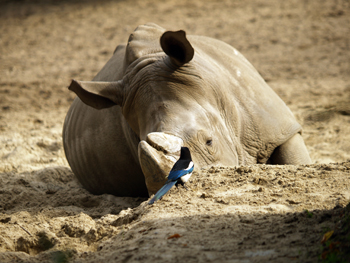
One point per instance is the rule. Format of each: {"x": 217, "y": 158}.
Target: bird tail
{"x": 162, "y": 191}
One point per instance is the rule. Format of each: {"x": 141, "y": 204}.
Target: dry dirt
{"x": 258, "y": 213}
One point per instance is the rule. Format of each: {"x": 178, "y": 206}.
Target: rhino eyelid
{"x": 209, "y": 142}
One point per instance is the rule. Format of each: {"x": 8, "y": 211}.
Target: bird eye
{"x": 209, "y": 142}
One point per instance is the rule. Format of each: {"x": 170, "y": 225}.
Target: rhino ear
{"x": 177, "y": 47}
{"x": 98, "y": 94}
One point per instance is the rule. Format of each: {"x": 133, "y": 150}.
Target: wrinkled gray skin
{"x": 124, "y": 131}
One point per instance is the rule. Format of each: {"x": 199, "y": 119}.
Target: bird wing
{"x": 174, "y": 175}
{"x": 181, "y": 168}
{"x": 181, "y": 165}
{"x": 162, "y": 191}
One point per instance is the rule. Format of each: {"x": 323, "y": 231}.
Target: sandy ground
{"x": 258, "y": 213}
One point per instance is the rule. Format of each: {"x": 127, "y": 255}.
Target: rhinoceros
{"x": 163, "y": 90}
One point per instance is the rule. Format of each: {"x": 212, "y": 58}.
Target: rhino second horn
{"x": 177, "y": 47}
{"x": 99, "y": 94}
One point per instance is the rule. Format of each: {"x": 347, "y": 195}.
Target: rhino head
{"x": 168, "y": 103}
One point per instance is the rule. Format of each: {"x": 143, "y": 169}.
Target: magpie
{"x": 179, "y": 174}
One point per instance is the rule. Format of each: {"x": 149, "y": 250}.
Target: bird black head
{"x": 185, "y": 154}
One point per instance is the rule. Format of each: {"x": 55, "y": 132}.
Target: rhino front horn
{"x": 157, "y": 156}
{"x": 177, "y": 47}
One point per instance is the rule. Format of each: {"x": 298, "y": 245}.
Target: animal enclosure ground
{"x": 258, "y": 213}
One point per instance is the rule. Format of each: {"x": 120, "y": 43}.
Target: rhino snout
{"x": 157, "y": 155}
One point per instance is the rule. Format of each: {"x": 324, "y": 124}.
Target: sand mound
{"x": 227, "y": 213}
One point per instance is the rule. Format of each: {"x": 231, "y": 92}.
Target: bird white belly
{"x": 186, "y": 177}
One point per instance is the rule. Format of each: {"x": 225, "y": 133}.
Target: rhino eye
{"x": 209, "y": 142}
